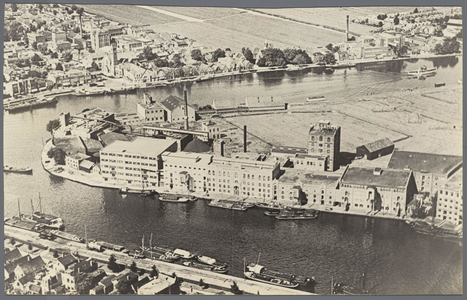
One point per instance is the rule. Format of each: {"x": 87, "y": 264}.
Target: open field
{"x": 130, "y": 14}
{"x": 203, "y": 13}
{"x": 367, "y": 120}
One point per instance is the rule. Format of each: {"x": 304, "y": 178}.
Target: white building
{"x": 449, "y": 204}
{"x": 134, "y": 163}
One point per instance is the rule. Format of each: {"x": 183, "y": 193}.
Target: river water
{"x": 395, "y": 259}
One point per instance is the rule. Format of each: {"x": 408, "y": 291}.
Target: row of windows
{"x": 446, "y": 200}
{"x": 127, "y": 156}
{"x": 321, "y": 138}
{"x": 319, "y": 150}
{"x": 447, "y": 193}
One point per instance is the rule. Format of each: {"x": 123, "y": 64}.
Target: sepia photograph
{"x": 192, "y": 150}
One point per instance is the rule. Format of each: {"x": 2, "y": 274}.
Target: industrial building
{"x": 375, "y": 149}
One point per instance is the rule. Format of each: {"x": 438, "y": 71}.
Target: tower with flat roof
{"x": 324, "y": 140}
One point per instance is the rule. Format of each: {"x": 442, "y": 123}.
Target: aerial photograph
{"x": 183, "y": 150}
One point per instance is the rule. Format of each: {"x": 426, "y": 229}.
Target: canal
{"x": 395, "y": 259}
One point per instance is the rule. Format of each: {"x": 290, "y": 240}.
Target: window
{"x": 329, "y": 139}
{"x": 321, "y": 138}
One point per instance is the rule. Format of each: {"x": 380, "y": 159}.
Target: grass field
{"x": 203, "y": 13}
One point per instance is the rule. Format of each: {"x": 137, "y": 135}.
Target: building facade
{"x": 324, "y": 141}
{"x": 450, "y": 197}
{"x": 134, "y": 163}
{"x": 150, "y": 111}
{"x": 99, "y": 38}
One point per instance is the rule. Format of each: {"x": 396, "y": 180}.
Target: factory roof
{"x": 367, "y": 176}
{"x": 424, "y": 162}
{"x": 378, "y": 145}
{"x": 291, "y": 176}
{"x": 141, "y": 145}
{"x": 197, "y": 146}
{"x": 288, "y": 150}
{"x": 172, "y": 102}
{"x": 182, "y": 157}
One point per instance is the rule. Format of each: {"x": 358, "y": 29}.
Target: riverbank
{"x": 218, "y": 282}
{"x": 122, "y": 86}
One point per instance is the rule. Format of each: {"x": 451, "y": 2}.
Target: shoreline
{"x": 97, "y": 182}
{"x": 194, "y": 79}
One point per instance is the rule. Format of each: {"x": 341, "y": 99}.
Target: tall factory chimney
{"x": 186, "y": 109}
{"x": 244, "y": 138}
{"x": 347, "y": 31}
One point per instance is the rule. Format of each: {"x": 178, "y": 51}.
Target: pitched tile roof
{"x": 67, "y": 260}
{"x": 11, "y": 266}
{"x": 32, "y": 265}
{"x": 12, "y": 256}
{"x": 27, "y": 278}
{"x": 378, "y": 145}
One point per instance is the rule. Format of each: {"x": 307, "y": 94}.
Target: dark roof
{"x": 35, "y": 288}
{"x": 111, "y": 137}
{"x": 455, "y": 182}
{"x": 67, "y": 260}
{"x": 197, "y": 146}
{"x": 60, "y": 290}
{"x": 98, "y": 289}
{"x": 92, "y": 145}
{"x": 378, "y": 145}
{"x": 27, "y": 278}
{"x": 424, "y": 162}
{"x": 11, "y": 266}
{"x": 299, "y": 155}
{"x": 143, "y": 281}
{"x": 171, "y": 102}
{"x": 32, "y": 265}
{"x": 107, "y": 281}
{"x": 365, "y": 176}
{"x": 124, "y": 276}
{"x": 84, "y": 266}
{"x": 289, "y": 150}
{"x": 12, "y": 256}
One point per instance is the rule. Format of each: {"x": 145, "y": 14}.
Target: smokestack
{"x": 347, "y": 31}
{"x": 244, "y": 138}
{"x": 186, "y": 109}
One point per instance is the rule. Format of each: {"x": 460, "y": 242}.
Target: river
{"x": 396, "y": 259}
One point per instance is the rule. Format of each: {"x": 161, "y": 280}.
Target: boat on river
{"x": 218, "y": 269}
{"x": 272, "y": 212}
{"x": 315, "y": 98}
{"x": 183, "y": 254}
{"x": 142, "y": 192}
{"x": 437, "y": 231}
{"x": 212, "y": 262}
{"x": 173, "y": 198}
{"x": 10, "y": 169}
{"x": 259, "y": 273}
{"x": 422, "y": 72}
{"x": 67, "y": 236}
{"x": 297, "y": 214}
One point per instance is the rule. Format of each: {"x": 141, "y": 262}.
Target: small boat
{"x": 300, "y": 214}
{"x": 111, "y": 246}
{"x": 436, "y": 231}
{"x": 239, "y": 206}
{"x": 126, "y": 190}
{"x": 67, "y": 236}
{"x": 423, "y": 71}
{"x": 315, "y": 98}
{"x": 268, "y": 205}
{"x": 183, "y": 253}
{"x": 258, "y": 273}
{"x": 217, "y": 269}
{"x": 272, "y": 212}
{"x": 173, "y": 198}
{"x": 210, "y": 261}
{"x": 10, "y": 169}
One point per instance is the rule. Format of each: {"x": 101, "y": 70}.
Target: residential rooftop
{"x": 424, "y": 162}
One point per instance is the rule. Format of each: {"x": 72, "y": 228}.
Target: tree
{"x": 329, "y": 47}
{"x": 133, "y": 267}
{"x": 248, "y": 55}
{"x": 74, "y": 7}
{"x": 35, "y": 59}
{"x": 34, "y": 45}
{"x": 176, "y": 61}
{"x": 30, "y": 246}
{"x": 296, "y": 56}
{"x": 59, "y": 67}
{"x": 54, "y": 55}
{"x": 67, "y": 57}
{"x": 55, "y": 253}
{"x": 32, "y": 28}
{"x": 396, "y": 20}
{"x": 94, "y": 66}
{"x": 147, "y": 53}
{"x": 112, "y": 265}
{"x": 57, "y": 154}
{"x": 415, "y": 11}
{"x": 52, "y": 125}
{"x": 83, "y": 283}
{"x": 217, "y": 54}
{"x": 161, "y": 63}
{"x": 197, "y": 55}
{"x": 123, "y": 287}
{"x": 271, "y": 57}
{"x": 154, "y": 272}
{"x": 329, "y": 59}
{"x": 12, "y": 241}
{"x": 14, "y": 7}
{"x": 380, "y": 24}
{"x": 55, "y": 5}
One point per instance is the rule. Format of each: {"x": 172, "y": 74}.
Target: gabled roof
{"x": 11, "y": 266}
{"x": 27, "y": 278}
{"x": 32, "y": 265}
{"x": 378, "y": 145}
{"x": 107, "y": 281}
{"x": 67, "y": 260}
{"x": 11, "y": 256}
{"x": 35, "y": 288}
{"x": 171, "y": 102}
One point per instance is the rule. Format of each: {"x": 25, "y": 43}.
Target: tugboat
{"x": 422, "y": 72}
{"x": 173, "y": 198}
{"x": 9, "y": 169}
{"x": 272, "y": 212}
{"x": 216, "y": 266}
{"x": 142, "y": 192}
